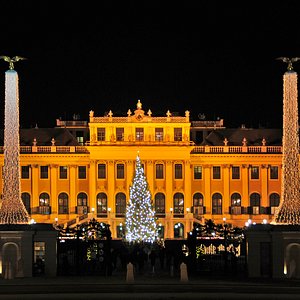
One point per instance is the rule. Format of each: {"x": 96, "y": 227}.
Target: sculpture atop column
{"x": 11, "y": 61}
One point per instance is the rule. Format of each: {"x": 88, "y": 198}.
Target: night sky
{"x": 216, "y": 58}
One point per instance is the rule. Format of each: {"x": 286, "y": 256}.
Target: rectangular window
{"x": 81, "y": 172}
{"x": 120, "y": 134}
{"x": 101, "y": 171}
{"x": 39, "y": 258}
{"x": 79, "y": 137}
{"x": 273, "y": 172}
{"x": 217, "y": 206}
{"x": 63, "y": 172}
{"x": 216, "y": 172}
{"x": 159, "y": 134}
{"x": 139, "y": 134}
{"x": 254, "y": 172}
{"x": 178, "y": 171}
{"x": 255, "y": 210}
{"x": 197, "y": 172}
{"x": 120, "y": 171}
{"x": 100, "y": 134}
{"x": 44, "y": 172}
{"x": 235, "y": 172}
{"x": 25, "y": 172}
{"x": 159, "y": 171}
{"x": 177, "y": 134}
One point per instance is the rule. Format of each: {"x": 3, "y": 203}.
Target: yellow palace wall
{"x": 150, "y": 155}
{"x": 167, "y": 152}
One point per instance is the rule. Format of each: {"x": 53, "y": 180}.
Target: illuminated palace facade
{"x": 195, "y": 170}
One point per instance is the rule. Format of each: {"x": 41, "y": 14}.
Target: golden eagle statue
{"x": 11, "y": 61}
{"x": 289, "y": 61}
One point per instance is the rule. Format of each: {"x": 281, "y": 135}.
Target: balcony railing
{"x": 49, "y": 149}
{"x": 237, "y": 149}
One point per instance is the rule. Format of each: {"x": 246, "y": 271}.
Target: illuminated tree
{"x": 140, "y": 215}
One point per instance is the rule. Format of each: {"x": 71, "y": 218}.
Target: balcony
{"x": 44, "y": 210}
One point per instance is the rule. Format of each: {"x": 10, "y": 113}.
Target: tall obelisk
{"x": 12, "y": 210}
{"x": 288, "y": 211}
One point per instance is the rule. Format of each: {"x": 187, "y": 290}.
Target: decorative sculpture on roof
{"x": 11, "y": 61}
{"x": 244, "y": 142}
{"x": 289, "y": 61}
{"x": 139, "y": 104}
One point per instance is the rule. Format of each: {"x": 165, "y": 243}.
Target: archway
{"x": 10, "y": 258}
{"x": 292, "y": 260}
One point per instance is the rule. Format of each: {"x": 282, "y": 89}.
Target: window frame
{"x": 274, "y": 175}
{"x": 178, "y": 208}
{"x": 139, "y": 134}
{"x": 254, "y": 173}
{"x": 217, "y": 204}
{"x": 120, "y": 134}
{"x": 235, "y": 175}
{"x": 63, "y": 203}
{"x": 81, "y": 172}
{"x": 160, "y": 203}
{"x": 120, "y": 203}
{"x": 178, "y": 171}
{"x": 25, "y": 170}
{"x": 101, "y": 133}
{"x": 63, "y": 172}
{"x": 120, "y": 171}
{"x": 101, "y": 170}
{"x": 159, "y": 134}
{"x": 159, "y": 171}
{"x": 272, "y": 199}
{"x": 178, "y": 134}
{"x": 214, "y": 173}
{"x": 195, "y": 172}
{"x": 101, "y": 201}
{"x": 44, "y": 172}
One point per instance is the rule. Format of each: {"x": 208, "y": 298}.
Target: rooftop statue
{"x": 11, "y": 61}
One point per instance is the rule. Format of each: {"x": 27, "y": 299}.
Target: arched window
{"x": 236, "y": 202}
{"x": 198, "y": 200}
{"x": 63, "y": 203}
{"x": 179, "y": 230}
{"x": 274, "y": 202}
{"x": 120, "y": 204}
{"x": 101, "y": 203}
{"x": 178, "y": 202}
{"x": 44, "y": 204}
{"x": 255, "y": 203}
{"x": 26, "y": 201}
{"x": 82, "y": 203}
{"x": 216, "y": 204}
{"x": 159, "y": 203}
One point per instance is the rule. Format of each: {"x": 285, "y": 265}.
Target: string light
{"x": 140, "y": 215}
{"x": 12, "y": 210}
{"x": 288, "y": 211}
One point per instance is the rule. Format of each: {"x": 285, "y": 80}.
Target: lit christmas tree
{"x": 140, "y": 215}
